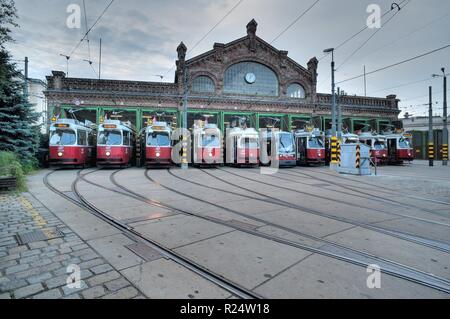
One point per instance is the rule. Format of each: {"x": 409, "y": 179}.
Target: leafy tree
{"x": 18, "y": 132}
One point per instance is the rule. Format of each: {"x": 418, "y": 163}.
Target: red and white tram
{"x": 72, "y": 143}
{"x": 310, "y": 146}
{"x": 377, "y": 144}
{"x": 242, "y": 146}
{"x": 158, "y": 144}
{"x": 115, "y": 143}
{"x": 206, "y": 144}
{"x": 399, "y": 147}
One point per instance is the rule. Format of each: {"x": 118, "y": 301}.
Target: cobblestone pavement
{"x": 39, "y": 269}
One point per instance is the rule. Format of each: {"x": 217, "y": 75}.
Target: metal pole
{"x": 26, "y": 79}
{"x": 365, "y": 82}
{"x": 339, "y": 113}
{"x": 100, "y": 61}
{"x": 333, "y": 97}
{"x": 445, "y": 129}
{"x": 430, "y": 129}
{"x": 184, "y": 160}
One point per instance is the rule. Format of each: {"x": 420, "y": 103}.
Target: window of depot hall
{"x": 203, "y": 84}
{"x": 296, "y": 91}
{"x": 250, "y": 78}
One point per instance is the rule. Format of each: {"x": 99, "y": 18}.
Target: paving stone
{"x": 39, "y": 278}
{"x": 91, "y": 263}
{"x": 82, "y": 252}
{"x": 125, "y": 293}
{"x": 29, "y": 259}
{"x": 56, "y": 282}
{"x": 88, "y": 257}
{"x": 14, "y": 284}
{"x": 79, "y": 247}
{"x": 117, "y": 284}
{"x": 28, "y": 273}
{"x": 51, "y": 294}
{"x": 100, "y": 279}
{"x": 41, "y": 262}
{"x": 94, "y": 292}
{"x": 65, "y": 250}
{"x": 28, "y": 291}
{"x": 101, "y": 269}
{"x": 30, "y": 253}
{"x": 37, "y": 244}
{"x": 17, "y": 268}
{"x": 56, "y": 241}
{"x": 61, "y": 258}
{"x": 7, "y": 264}
{"x": 74, "y": 296}
{"x": 68, "y": 291}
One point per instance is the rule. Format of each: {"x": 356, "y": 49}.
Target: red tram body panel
{"x": 242, "y": 147}
{"x": 71, "y": 143}
{"x": 378, "y": 147}
{"x": 158, "y": 144}
{"x": 115, "y": 144}
{"x": 207, "y": 145}
{"x": 400, "y": 148}
{"x": 286, "y": 154}
{"x": 310, "y": 146}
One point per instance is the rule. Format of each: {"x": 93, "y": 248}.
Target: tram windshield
{"x": 158, "y": 139}
{"x": 315, "y": 142}
{"x": 110, "y": 137}
{"x": 210, "y": 141}
{"x": 379, "y": 145}
{"x": 404, "y": 143}
{"x": 63, "y": 137}
{"x": 286, "y": 143}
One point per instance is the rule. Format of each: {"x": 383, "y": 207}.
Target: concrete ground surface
{"x": 279, "y": 236}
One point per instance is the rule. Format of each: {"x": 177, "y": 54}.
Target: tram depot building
{"x": 247, "y": 78}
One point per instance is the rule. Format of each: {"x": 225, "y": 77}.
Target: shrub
{"x": 10, "y": 166}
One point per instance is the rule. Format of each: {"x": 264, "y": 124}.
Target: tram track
{"x": 339, "y": 251}
{"x": 83, "y": 203}
{"x": 352, "y": 256}
{"x": 431, "y": 243}
{"x": 364, "y": 195}
{"x": 334, "y": 200}
{"x": 385, "y": 190}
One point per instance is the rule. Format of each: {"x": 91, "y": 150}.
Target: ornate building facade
{"x": 244, "y": 78}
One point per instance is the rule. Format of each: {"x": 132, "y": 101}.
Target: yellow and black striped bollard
{"x": 358, "y": 156}
{"x": 431, "y": 153}
{"x": 445, "y": 152}
{"x": 334, "y": 146}
{"x": 339, "y": 152}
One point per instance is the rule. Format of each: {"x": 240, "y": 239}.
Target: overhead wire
{"x": 302, "y": 14}
{"x": 395, "y": 64}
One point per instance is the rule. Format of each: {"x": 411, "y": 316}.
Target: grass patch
{"x": 10, "y": 166}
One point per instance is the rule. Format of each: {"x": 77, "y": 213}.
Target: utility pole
{"x": 339, "y": 114}
{"x": 26, "y": 78}
{"x": 445, "y": 129}
{"x": 184, "y": 159}
{"x": 100, "y": 61}
{"x": 365, "y": 82}
{"x": 333, "y": 93}
{"x": 430, "y": 129}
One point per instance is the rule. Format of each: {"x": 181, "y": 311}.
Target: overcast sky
{"x": 140, "y": 39}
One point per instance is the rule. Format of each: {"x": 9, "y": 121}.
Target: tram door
{"x": 392, "y": 149}
{"x": 301, "y": 149}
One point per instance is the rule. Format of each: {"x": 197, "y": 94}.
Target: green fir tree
{"x": 18, "y": 132}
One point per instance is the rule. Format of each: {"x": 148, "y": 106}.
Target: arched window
{"x": 203, "y": 84}
{"x": 296, "y": 91}
{"x": 250, "y": 78}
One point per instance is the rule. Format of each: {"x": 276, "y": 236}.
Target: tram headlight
{"x": 210, "y": 154}
{"x": 158, "y": 154}
{"x": 108, "y": 154}
{"x": 60, "y": 154}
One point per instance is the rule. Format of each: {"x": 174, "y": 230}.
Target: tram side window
{"x": 315, "y": 142}
{"x": 82, "y": 137}
{"x": 404, "y": 143}
{"x": 126, "y": 138}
